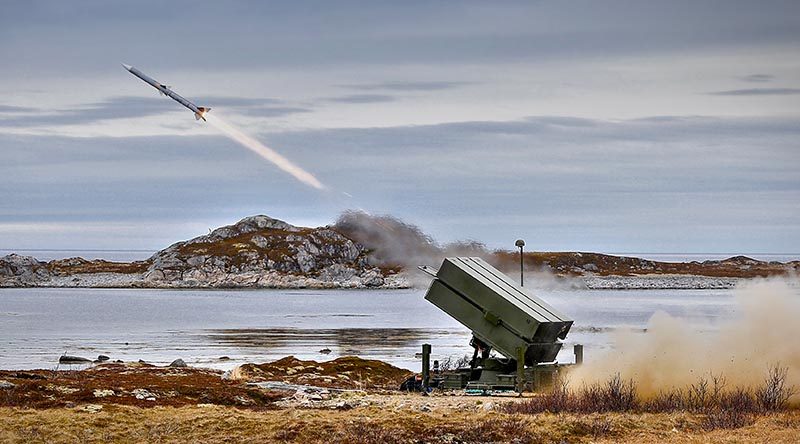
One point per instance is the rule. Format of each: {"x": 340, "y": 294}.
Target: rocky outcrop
{"x": 259, "y": 251}
{"x": 22, "y": 271}
{"x": 256, "y": 252}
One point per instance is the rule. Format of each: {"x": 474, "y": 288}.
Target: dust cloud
{"x": 265, "y": 152}
{"x": 672, "y": 354}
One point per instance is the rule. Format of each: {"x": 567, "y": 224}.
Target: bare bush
{"x": 727, "y": 419}
{"x": 740, "y": 399}
{"x": 615, "y": 395}
{"x": 723, "y": 407}
{"x": 667, "y": 401}
{"x": 774, "y": 394}
{"x": 697, "y": 395}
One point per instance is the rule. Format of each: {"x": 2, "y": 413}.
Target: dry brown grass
{"x": 66, "y": 267}
{"x": 372, "y": 425}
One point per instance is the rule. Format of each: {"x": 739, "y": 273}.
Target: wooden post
{"x": 578, "y": 349}
{"x": 426, "y": 366}
{"x": 520, "y": 370}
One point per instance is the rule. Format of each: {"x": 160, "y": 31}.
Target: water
{"x": 37, "y": 325}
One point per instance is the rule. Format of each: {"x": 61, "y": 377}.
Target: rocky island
{"x": 359, "y": 251}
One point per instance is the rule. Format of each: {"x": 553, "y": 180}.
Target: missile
{"x": 199, "y": 111}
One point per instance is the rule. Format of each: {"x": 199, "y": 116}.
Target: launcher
{"x": 522, "y": 329}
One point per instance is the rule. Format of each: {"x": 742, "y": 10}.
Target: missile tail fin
{"x": 201, "y": 114}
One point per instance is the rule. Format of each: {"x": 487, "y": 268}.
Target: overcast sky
{"x": 616, "y": 126}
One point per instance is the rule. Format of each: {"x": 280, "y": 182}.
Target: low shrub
{"x": 722, "y": 407}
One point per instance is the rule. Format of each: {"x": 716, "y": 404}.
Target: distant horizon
{"x": 490, "y": 248}
{"x": 657, "y": 256}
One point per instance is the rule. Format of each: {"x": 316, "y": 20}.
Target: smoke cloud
{"x": 672, "y": 354}
{"x": 265, "y": 152}
{"x": 395, "y": 243}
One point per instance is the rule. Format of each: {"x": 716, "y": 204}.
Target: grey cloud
{"x": 563, "y": 121}
{"x": 273, "y": 111}
{"x": 758, "y": 78}
{"x": 407, "y": 85}
{"x": 122, "y": 107}
{"x": 113, "y": 108}
{"x": 267, "y": 34}
{"x": 758, "y": 92}
{"x": 242, "y": 102}
{"x": 562, "y": 182}
{"x": 700, "y": 151}
{"x": 256, "y": 107}
{"x": 16, "y": 109}
{"x": 361, "y": 98}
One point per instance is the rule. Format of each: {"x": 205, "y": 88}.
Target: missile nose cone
{"x": 128, "y": 67}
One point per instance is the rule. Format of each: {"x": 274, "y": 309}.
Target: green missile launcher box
{"x": 501, "y": 314}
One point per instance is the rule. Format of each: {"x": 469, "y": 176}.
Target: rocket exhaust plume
{"x": 265, "y": 152}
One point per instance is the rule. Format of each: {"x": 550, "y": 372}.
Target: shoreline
{"x": 391, "y": 282}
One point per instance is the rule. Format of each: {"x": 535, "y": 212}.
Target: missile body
{"x": 199, "y": 111}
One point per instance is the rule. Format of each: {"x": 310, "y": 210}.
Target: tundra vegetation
{"x": 140, "y": 403}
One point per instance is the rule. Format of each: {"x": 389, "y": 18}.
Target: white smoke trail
{"x": 265, "y": 152}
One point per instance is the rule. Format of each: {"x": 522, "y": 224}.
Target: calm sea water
{"x": 38, "y": 325}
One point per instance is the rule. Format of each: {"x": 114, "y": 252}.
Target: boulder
{"x": 17, "y": 270}
{"x": 144, "y": 394}
{"x": 372, "y": 278}
{"x": 102, "y": 393}
{"x": 67, "y": 359}
{"x": 178, "y": 363}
